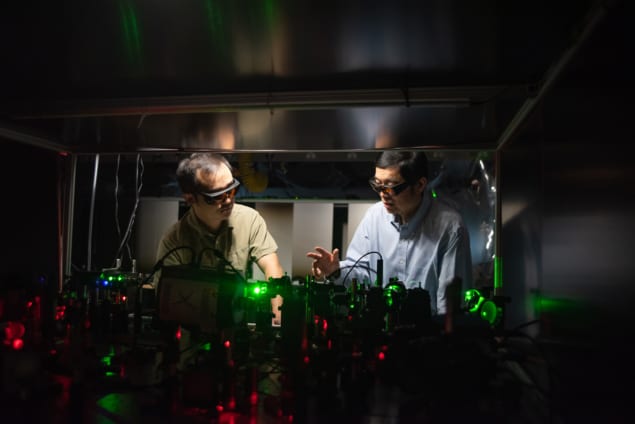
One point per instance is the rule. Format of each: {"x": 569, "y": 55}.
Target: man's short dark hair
{"x": 412, "y": 164}
{"x": 208, "y": 163}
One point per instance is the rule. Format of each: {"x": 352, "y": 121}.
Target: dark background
{"x": 566, "y": 175}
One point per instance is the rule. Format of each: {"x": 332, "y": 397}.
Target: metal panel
{"x": 143, "y": 75}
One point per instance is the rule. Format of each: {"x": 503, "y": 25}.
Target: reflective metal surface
{"x": 127, "y": 76}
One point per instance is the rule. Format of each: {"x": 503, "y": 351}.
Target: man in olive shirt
{"x": 215, "y": 228}
{"x": 215, "y": 232}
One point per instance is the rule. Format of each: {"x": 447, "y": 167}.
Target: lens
{"x": 219, "y": 198}
{"x": 388, "y": 190}
{"x": 229, "y": 192}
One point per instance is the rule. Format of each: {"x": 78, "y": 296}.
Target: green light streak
{"x": 131, "y": 33}
{"x": 270, "y": 13}
{"x": 545, "y": 304}
{"x": 498, "y": 273}
{"x": 215, "y": 20}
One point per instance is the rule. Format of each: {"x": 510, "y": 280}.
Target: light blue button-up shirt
{"x": 428, "y": 252}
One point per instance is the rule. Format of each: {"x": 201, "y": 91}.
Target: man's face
{"x": 215, "y": 207}
{"x": 404, "y": 199}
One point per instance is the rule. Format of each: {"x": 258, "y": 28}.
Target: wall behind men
{"x": 296, "y": 227}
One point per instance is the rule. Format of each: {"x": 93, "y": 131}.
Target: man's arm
{"x": 328, "y": 264}
{"x": 270, "y": 266}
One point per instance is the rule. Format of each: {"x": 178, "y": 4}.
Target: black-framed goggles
{"x": 391, "y": 190}
{"x": 221, "y": 195}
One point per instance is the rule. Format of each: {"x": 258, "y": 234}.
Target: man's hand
{"x": 324, "y": 262}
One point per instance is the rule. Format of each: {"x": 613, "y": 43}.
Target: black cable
{"x": 527, "y": 324}
{"x": 117, "y": 225}
{"x": 159, "y": 264}
{"x": 199, "y": 258}
{"x": 367, "y": 268}
{"x": 125, "y": 240}
{"x": 357, "y": 261}
{"x": 222, "y": 258}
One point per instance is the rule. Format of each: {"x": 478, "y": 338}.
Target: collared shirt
{"x": 242, "y": 239}
{"x": 427, "y": 252}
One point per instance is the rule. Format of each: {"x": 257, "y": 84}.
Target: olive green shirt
{"x": 242, "y": 239}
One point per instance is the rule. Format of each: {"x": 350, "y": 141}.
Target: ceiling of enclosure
{"x": 128, "y": 76}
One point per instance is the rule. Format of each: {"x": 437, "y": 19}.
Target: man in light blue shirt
{"x": 421, "y": 241}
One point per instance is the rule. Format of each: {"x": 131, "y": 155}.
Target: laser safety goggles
{"x": 221, "y": 195}
{"x": 390, "y": 190}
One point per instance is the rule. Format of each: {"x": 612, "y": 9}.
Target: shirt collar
{"x": 417, "y": 218}
{"x": 200, "y": 228}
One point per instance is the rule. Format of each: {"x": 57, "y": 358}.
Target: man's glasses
{"x": 391, "y": 190}
{"x": 220, "y": 196}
